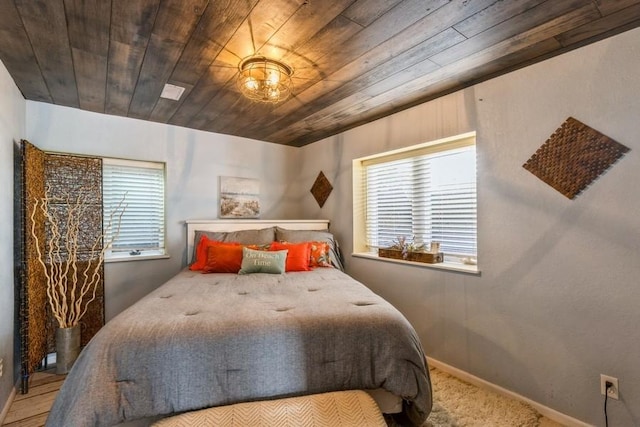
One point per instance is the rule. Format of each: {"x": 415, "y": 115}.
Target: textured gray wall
{"x": 557, "y": 302}
{"x": 12, "y": 129}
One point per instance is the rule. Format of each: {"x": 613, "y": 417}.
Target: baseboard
{"x": 7, "y": 405}
{"x": 552, "y": 414}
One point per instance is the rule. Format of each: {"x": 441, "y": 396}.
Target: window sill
{"x": 449, "y": 266}
{"x": 127, "y": 258}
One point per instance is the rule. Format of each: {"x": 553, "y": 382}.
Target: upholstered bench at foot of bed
{"x": 353, "y": 408}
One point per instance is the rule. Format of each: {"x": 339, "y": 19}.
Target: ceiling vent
{"x": 172, "y": 92}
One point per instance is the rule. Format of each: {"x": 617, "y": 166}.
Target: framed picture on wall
{"x": 239, "y": 197}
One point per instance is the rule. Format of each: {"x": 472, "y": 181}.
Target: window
{"x": 142, "y": 227}
{"x": 426, "y": 193}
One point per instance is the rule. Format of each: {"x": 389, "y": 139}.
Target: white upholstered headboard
{"x": 249, "y": 224}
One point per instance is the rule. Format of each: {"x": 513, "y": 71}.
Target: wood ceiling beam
{"x": 18, "y": 55}
{"x": 175, "y": 22}
{"x": 46, "y": 26}
{"x": 421, "y": 84}
{"x": 131, "y": 25}
{"x": 89, "y": 41}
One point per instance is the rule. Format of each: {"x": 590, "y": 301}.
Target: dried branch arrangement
{"x": 71, "y": 287}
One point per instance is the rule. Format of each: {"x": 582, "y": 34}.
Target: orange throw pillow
{"x": 297, "y": 257}
{"x": 201, "y": 253}
{"x": 223, "y": 258}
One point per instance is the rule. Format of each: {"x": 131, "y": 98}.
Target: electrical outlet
{"x": 613, "y": 390}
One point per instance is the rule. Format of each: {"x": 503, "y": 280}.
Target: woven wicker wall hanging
{"x": 573, "y": 157}
{"x": 321, "y": 189}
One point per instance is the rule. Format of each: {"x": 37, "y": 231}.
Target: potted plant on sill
{"x": 72, "y": 273}
{"x": 409, "y": 250}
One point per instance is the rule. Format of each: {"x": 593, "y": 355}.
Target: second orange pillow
{"x": 223, "y": 258}
{"x": 297, "y": 257}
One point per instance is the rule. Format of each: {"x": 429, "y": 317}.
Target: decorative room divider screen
{"x": 65, "y": 177}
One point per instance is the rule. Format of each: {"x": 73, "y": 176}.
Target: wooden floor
{"x": 31, "y": 409}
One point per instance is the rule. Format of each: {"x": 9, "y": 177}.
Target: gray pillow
{"x": 296, "y": 236}
{"x": 272, "y": 262}
{"x": 263, "y": 236}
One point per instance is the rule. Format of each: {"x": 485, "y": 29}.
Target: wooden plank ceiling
{"x": 354, "y": 60}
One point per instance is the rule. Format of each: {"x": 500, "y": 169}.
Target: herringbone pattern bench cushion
{"x": 353, "y": 408}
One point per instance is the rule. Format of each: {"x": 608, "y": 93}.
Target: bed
{"x": 205, "y": 340}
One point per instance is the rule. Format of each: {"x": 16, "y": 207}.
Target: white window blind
{"x": 142, "y": 228}
{"x": 426, "y": 194}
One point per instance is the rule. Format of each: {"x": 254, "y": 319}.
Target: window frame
{"x": 162, "y": 253}
{"x": 360, "y": 248}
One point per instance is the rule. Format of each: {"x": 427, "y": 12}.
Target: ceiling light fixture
{"x": 264, "y": 80}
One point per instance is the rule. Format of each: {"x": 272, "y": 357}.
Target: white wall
{"x": 194, "y": 162}
{"x": 557, "y": 302}
{"x": 12, "y": 129}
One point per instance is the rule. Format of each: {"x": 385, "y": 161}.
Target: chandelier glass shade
{"x": 264, "y": 80}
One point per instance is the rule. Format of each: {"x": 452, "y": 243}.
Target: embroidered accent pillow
{"x": 272, "y": 262}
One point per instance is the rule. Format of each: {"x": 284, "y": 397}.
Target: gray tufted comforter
{"x": 207, "y": 340}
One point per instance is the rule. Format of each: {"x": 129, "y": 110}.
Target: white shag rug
{"x": 459, "y": 404}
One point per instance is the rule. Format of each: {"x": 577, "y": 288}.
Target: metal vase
{"x": 67, "y": 348}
